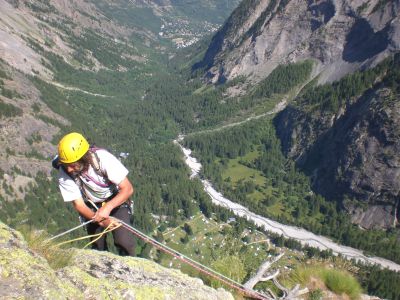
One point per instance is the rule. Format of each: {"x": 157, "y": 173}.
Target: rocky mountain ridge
{"x": 340, "y": 36}
{"x": 346, "y": 143}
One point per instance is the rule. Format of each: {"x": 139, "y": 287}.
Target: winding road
{"x": 71, "y": 88}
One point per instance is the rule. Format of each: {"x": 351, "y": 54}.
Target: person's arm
{"x": 82, "y": 209}
{"x": 125, "y": 191}
{"x": 86, "y": 212}
{"x": 71, "y": 192}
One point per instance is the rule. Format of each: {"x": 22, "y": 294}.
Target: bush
{"x": 341, "y": 282}
{"x": 38, "y": 242}
{"x": 188, "y": 229}
{"x": 316, "y": 295}
{"x": 337, "y": 281}
{"x": 230, "y": 266}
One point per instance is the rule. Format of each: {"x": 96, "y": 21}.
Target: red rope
{"x": 252, "y": 294}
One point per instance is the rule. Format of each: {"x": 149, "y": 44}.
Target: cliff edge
{"x": 90, "y": 274}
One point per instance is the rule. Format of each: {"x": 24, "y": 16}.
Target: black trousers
{"x": 123, "y": 239}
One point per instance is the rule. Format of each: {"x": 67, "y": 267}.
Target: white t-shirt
{"x": 95, "y": 186}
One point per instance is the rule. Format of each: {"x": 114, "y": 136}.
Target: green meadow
{"x": 237, "y": 171}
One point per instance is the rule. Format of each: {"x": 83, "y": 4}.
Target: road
{"x": 71, "y": 88}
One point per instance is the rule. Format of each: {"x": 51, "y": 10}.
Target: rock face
{"x": 91, "y": 275}
{"x": 352, "y": 154}
{"x": 340, "y": 35}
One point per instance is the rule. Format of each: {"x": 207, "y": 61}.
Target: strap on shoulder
{"x": 95, "y": 162}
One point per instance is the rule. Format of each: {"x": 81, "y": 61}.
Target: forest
{"x": 147, "y": 106}
{"x": 284, "y": 193}
{"x": 283, "y": 182}
{"x": 161, "y": 181}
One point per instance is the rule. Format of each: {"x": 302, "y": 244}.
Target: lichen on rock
{"x": 91, "y": 274}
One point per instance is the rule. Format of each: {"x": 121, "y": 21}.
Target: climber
{"x": 96, "y": 183}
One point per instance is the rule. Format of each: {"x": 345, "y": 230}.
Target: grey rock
{"x": 24, "y": 274}
{"x": 380, "y": 216}
{"x": 352, "y": 155}
{"x": 341, "y": 36}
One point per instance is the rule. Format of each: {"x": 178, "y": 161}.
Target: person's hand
{"x": 102, "y": 214}
{"x": 108, "y": 222}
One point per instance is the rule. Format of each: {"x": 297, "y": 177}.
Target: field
{"x": 237, "y": 170}
{"x": 209, "y": 242}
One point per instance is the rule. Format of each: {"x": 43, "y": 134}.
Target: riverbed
{"x": 303, "y": 236}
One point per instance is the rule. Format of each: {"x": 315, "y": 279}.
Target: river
{"x": 303, "y": 236}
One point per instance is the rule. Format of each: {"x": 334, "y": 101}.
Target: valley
{"x": 277, "y": 111}
{"x": 296, "y": 233}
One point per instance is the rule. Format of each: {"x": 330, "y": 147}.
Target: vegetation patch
{"x": 338, "y": 281}
{"x": 38, "y": 241}
{"x": 329, "y": 97}
{"x": 286, "y": 194}
{"x": 3, "y": 74}
{"x": 283, "y": 78}
{"x": 237, "y": 169}
{"x": 9, "y": 110}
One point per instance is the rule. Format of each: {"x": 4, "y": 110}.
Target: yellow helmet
{"x": 72, "y": 147}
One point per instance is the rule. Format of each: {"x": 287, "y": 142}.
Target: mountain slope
{"x": 61, "y": 55}
{"x": 347, "y": 139}
{"x": 341, "y": 36}
{"x": 33, "y": 32}
{"x": 343, "y": 134}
